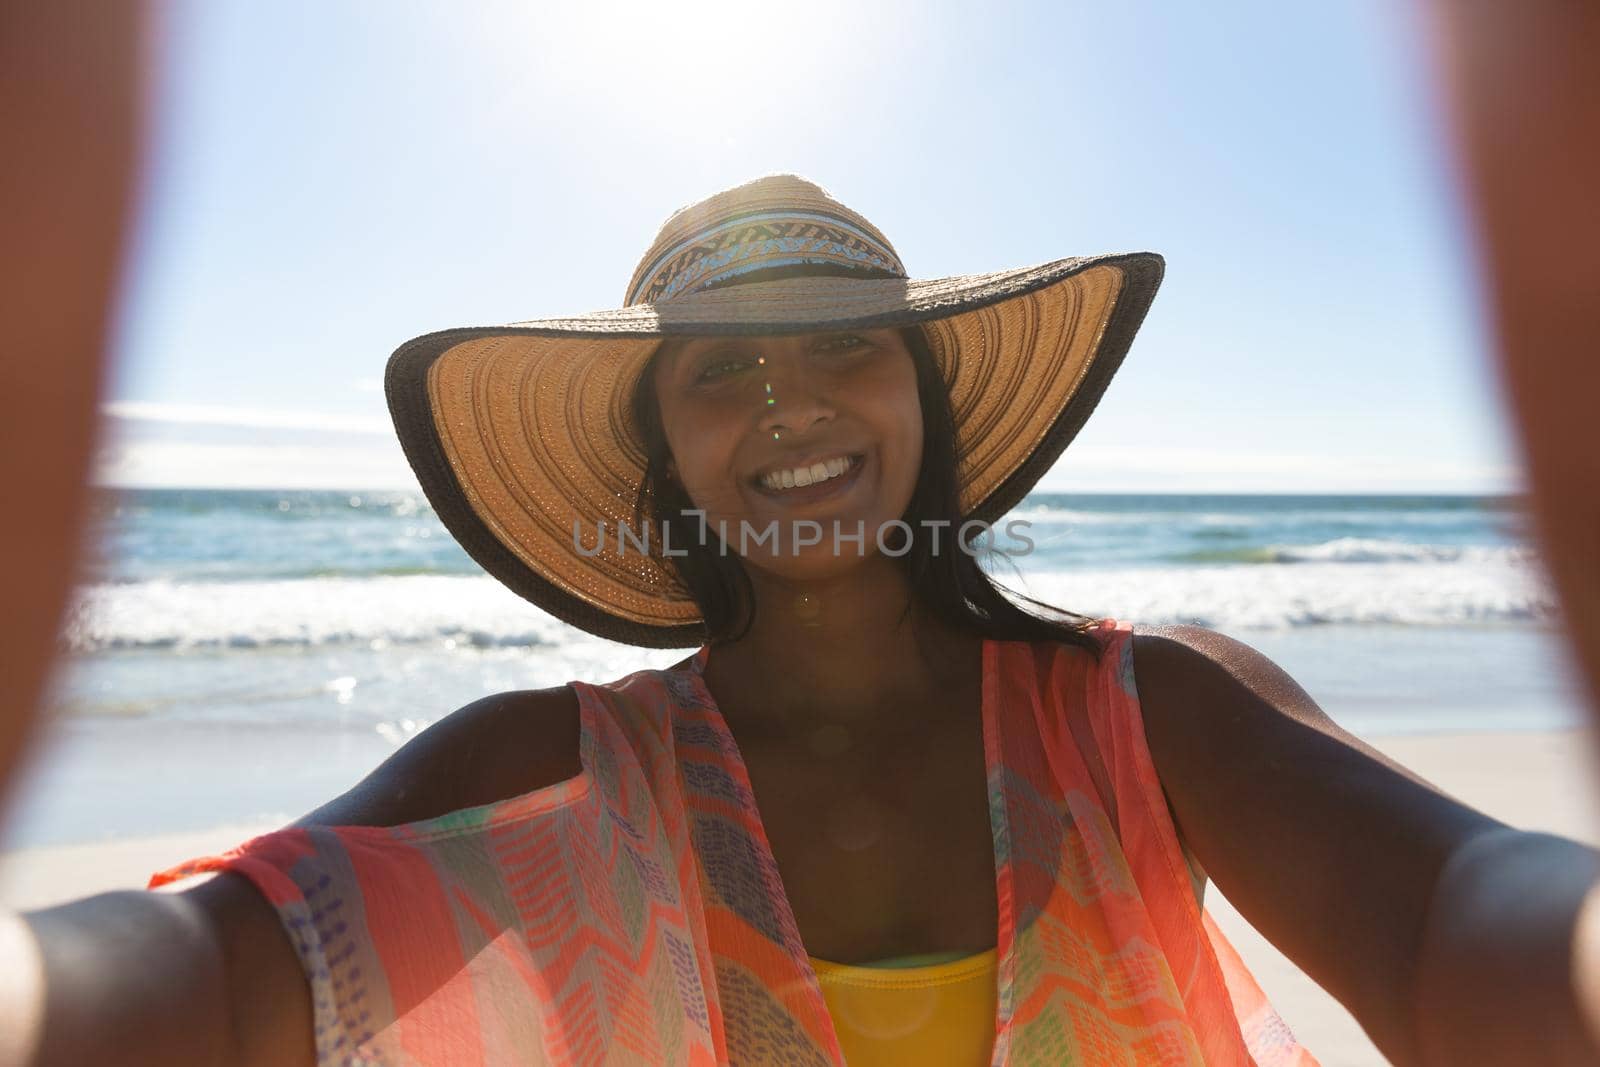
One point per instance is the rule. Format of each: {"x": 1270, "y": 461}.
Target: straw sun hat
{"x": 519, "y": 432}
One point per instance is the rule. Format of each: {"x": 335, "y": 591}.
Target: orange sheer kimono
{"x": 635, "y": 914}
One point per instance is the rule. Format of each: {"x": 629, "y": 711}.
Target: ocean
{"x": 239, "y": 655}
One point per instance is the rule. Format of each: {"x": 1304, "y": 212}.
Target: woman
{"x": 784, "y": 451}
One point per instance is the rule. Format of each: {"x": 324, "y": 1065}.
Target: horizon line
{"x": 1036, "y": 491}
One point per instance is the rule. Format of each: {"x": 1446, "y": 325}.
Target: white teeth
{"x": 799, "y": 476}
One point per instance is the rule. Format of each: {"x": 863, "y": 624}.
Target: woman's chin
{"x": 811, "y": 563}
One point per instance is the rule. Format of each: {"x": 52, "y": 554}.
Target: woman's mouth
{"x": 818, "y": 478}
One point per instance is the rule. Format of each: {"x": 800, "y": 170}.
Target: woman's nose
{"x": 794, "y": 399}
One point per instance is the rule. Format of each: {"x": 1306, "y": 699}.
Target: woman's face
{"x": 791, "y": 445}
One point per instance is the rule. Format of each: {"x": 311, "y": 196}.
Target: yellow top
{"x": 911, "y": 1011}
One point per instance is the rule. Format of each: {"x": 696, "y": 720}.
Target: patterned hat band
{"x": 759, "y": 247}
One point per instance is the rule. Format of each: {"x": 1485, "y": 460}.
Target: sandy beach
{"x": 1533, "y": 780}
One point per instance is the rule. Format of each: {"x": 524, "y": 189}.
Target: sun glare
{"x": 655, "y": 61}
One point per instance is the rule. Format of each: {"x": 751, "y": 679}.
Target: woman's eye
{"x": 842, "y": 343}
{"x": 721, "y": 367}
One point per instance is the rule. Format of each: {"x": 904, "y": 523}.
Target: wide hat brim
{"x": 521, "y": 437}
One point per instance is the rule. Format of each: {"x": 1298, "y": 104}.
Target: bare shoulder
{"x": 1193, "y": 670}
{"x": 1214, "y": 709}
{"x": 1225, "y": 723}
{"x": 492, "y": 749}
{"x": 1330, "y": 849}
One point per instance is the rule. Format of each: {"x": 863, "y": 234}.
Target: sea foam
{"x": 1353, "y": 582}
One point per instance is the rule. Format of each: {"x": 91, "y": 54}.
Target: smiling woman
{"x": 884, "y": 812}
{"x": 940, "y": 772}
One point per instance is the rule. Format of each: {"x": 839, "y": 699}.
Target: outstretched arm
{"x": 201, "y": 971}
{"x": 1445, "y": 932}
{"x": 136, "y": 977}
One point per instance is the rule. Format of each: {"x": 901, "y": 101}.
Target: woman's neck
{"x": 841, "y": 651}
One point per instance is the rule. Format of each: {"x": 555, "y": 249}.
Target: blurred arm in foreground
{"x": 70, "y": 102}
{"x": 1524, "y": 84}
{"x": 1524, "y": 98}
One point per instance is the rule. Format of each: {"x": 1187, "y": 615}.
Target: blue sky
{"x": 326, "y": 180}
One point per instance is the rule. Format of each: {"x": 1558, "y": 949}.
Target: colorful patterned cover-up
{"x": 634, "y": 913}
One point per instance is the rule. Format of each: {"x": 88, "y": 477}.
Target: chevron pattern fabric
{"x": 635, "y": 914}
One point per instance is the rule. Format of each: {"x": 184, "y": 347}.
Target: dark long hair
{"x": 951, "y": 585}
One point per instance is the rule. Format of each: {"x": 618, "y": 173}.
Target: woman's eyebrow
{"x": 682, "y": 359}
{"x": 677, "y": 352}
{"x": 837, "y": 335}
{"x": 720, "y": 347}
